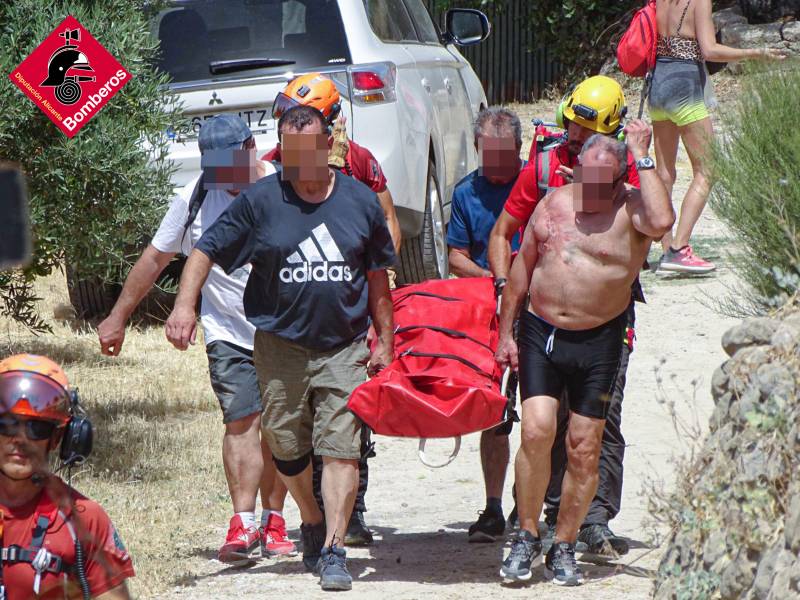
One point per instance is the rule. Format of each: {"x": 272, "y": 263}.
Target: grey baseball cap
{"x": 223, "y": 132}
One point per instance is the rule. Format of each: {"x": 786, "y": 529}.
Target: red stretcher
{"x": 444, "y": 381}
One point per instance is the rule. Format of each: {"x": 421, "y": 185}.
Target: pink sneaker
{"x": 240, "y": 544}
{"x": 684, "y": 261}
{"x": 273, "y": 538}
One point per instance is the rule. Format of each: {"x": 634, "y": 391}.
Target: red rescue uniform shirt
{"x": 107, "y": 561}
{"x": 524, "y": 195}
{"x": 363, "y": 166}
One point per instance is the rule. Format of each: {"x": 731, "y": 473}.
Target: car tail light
{"x": 373, "y": 83}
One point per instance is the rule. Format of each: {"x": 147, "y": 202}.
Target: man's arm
{"x": 181, "y": 326}
{"x": 462, "y": 265}
{"x": 387, "y": 204}
{"x": 500, "y": 244}
{"x": 141, "y": 278}
{"x": 381, "y": 311}
{"x": 513, "y": 294}
{"x": 652, "y": 213}
{"x": 119, "y": 592}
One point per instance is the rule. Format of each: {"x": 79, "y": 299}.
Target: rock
{"x": 749, "y": 402}
{"x": 752, "y": 332}
{"x": 728, "y": 16}
{"x": 787, "y": 337}
{"x": 775, "y": 381}
{"x": 719, "y": 381}
{"x": 737, "y": 577}
{"x": 774, "y": 562}
{"x": 743, "y": 35}
{"x": 754, "y": 464}
{"x": 791, "y": 529}
{"x": 791, "y": 32}
{"x": 714, "y": 548}
{"x": 782, "y": 588}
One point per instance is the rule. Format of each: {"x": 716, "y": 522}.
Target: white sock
{"x": 266, "y": 512}
{"x": 248, "y": 519}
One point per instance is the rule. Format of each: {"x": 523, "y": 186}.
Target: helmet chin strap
{"x": 37, "y": 478}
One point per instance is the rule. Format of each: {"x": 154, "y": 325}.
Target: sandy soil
{"x": 421, "y": 515}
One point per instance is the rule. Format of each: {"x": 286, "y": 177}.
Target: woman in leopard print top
{"x": 678, "y": 105}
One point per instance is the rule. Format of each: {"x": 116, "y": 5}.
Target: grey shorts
{"x": 305, "y": 397}
{"x": 234, "y": 380}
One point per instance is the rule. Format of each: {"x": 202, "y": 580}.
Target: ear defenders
{"x": 76, "y": 441}
{"x": 563, "y": 122}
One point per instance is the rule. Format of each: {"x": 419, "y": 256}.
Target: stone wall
{"x": 735, "y": 31}
{"x": 736, "y": 513}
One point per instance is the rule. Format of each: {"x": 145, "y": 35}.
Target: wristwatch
{"x": 499, "y": 284}
{"x": 643, "y": 164}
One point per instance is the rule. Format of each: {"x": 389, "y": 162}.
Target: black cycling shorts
{"x": 584, "y": 362}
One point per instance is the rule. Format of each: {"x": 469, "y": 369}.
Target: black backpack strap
{"x": 196, "y": 201}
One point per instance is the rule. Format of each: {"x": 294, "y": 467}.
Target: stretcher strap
{"x": 451, "y": 332}
{"x": 463, "y": 361}
{"x": 429, "y": 295}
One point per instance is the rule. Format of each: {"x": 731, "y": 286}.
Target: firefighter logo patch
{"x": 70, "y": 76}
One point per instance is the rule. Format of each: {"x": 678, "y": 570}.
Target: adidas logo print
{"x": 315, "y": 260}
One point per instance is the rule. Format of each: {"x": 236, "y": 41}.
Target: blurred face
{"x": 577, "y": 134}
{"x": 595, "y": 185}
{"x": 230, "y": 170}
{"x": 499, "y": 159}
{"x": 304, "y": 154}
{"x": 24, "y": 445}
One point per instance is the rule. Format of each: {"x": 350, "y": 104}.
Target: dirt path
{"x": 421, "y": 515}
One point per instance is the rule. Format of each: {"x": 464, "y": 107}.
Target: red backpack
{"x": 636, "y": 52}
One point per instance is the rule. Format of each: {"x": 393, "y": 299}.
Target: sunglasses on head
{"x": 35, "y": 430}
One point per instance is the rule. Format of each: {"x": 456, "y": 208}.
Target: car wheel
{"x": 425, "y": 256}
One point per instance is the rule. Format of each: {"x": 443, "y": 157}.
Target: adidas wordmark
{"x": 317, "y": 259}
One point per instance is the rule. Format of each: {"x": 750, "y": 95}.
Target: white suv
{"x": 410, "y": 97}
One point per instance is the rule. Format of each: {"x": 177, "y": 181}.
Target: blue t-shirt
{"x": 308, "y": 282}
{"x": 477, "y": 204}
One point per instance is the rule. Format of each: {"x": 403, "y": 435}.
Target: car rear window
{"x": 196, "y": 33}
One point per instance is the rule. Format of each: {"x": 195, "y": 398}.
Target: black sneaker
{"x": 600, "y": 540}
{"x": 489, "y": 526}
{"x": 560, "y": 565}
{"x": 332, "y": 568}
{"x": 357, "y": 532}
{"x": 525, "y": 550}
{"x": 313, "y": 539}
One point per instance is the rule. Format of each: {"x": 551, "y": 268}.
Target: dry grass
{"x": 156, "y": 467}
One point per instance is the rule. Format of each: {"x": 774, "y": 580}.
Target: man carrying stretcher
{"x": 582, "y": 249}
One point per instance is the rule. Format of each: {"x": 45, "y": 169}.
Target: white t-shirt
{"x": 222, "y": 311}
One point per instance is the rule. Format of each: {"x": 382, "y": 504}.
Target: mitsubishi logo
{"x": 214, "y": 99}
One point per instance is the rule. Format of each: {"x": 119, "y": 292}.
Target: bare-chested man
{"x": 582, "y": 249}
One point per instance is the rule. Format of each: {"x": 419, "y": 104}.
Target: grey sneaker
{"x": 333, "y": 573}
{"x": 600, "y": 540}
{"x": 525, "y": 550}
{"x": 560, "y": 565}
{"x": 313, "y": 539}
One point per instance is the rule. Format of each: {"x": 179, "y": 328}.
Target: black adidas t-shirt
{"x": 308, "y": 283}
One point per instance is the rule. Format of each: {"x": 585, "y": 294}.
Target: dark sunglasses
{"x": 35, "y": 429}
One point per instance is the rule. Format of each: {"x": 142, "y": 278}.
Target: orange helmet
{"x": 34, "y": 386}
{"x": 314, "y": 90}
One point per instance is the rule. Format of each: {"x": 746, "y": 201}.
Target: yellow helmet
{"x": 596, "y": 103}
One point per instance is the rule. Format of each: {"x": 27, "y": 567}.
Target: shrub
{"x": 93, "y": 198}
{"x": 757, "y": 185}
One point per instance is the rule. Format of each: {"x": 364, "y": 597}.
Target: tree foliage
{"x": 757, "y": 191}
{"x": 93, "y": 198}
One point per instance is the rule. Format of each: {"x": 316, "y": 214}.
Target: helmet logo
{"x": 64, "y": 67}
{"x": 214, "y": 99}
{"x": 303, "y": 91}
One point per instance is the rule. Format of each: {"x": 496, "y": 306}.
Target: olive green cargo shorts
{"x": 304, "y": 395}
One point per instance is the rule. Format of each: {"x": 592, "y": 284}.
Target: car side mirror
{"x": 466, "y": 26}
{"x": 15, "y": 233}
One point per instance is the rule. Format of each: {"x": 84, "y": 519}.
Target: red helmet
{"x": 34, "y": 386}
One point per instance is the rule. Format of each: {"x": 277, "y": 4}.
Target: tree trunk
{"x": 766, "y": 11}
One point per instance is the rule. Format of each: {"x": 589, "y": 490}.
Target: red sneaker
{"x": 240, "y": 543}
{"x": 273, "y": 538}
{"x": 684, "y": 261}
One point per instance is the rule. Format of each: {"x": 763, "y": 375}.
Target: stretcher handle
{"x": 451, "y": 458}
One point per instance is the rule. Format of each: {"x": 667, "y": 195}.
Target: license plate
{"x": 259, "y": 120}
